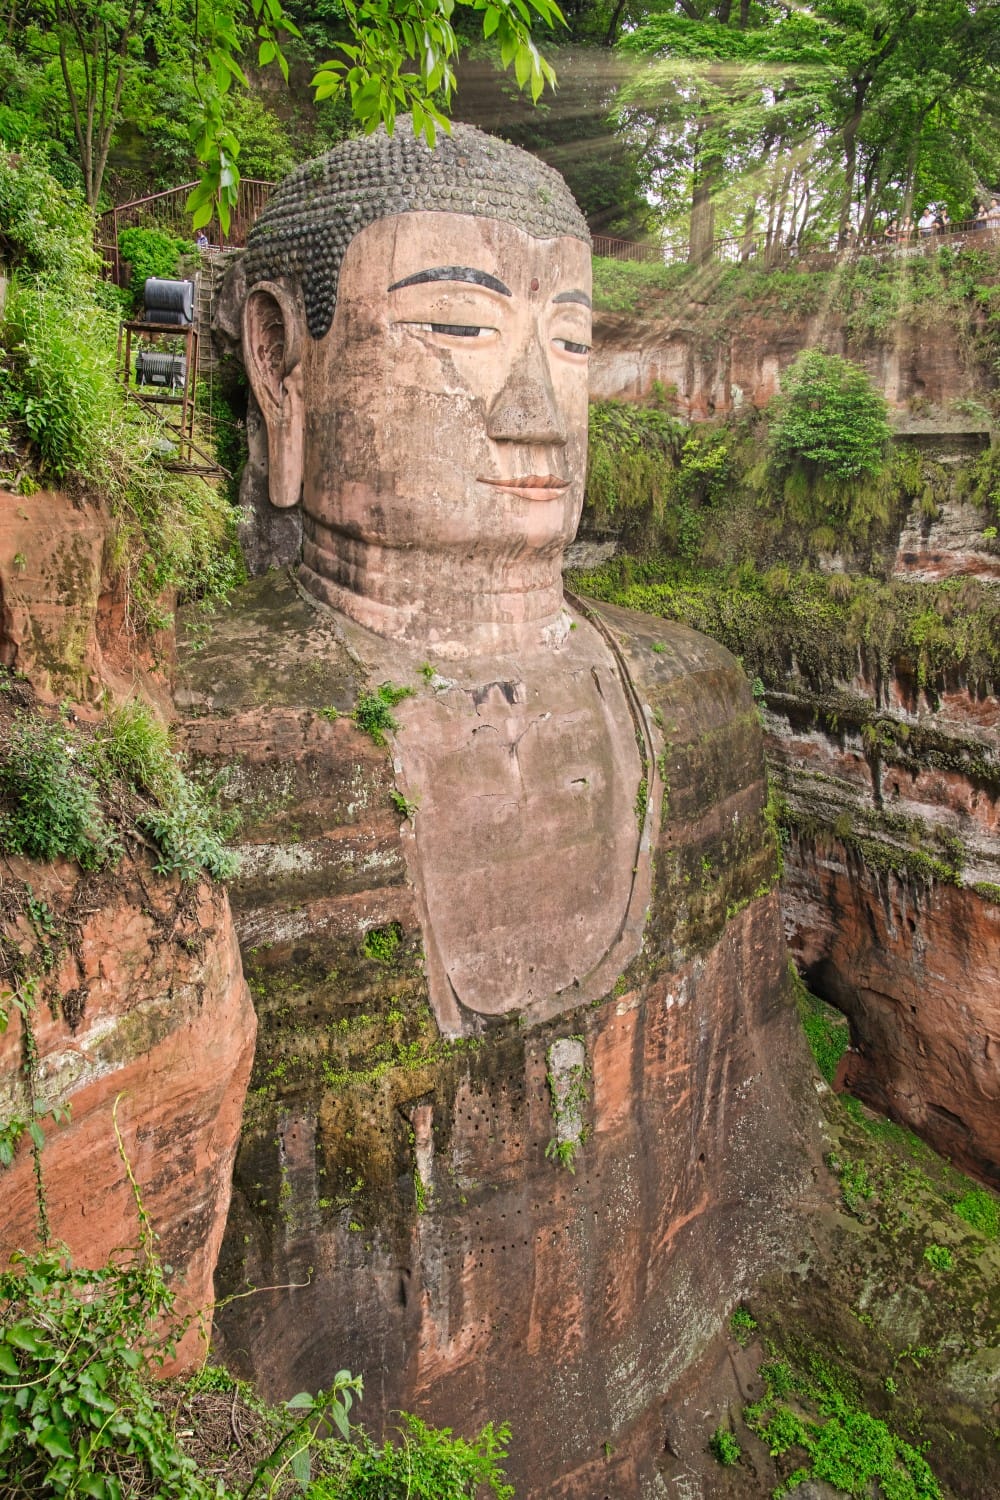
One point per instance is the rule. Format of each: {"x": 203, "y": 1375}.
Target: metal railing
{"x": 772, "y": 253}
{"x": 166, "y": 211}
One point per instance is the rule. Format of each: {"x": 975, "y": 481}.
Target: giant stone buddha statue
{"x": 416, "y": 331}
{"x": 581, "y": 889}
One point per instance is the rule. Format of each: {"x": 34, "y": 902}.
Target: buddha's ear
{"x": 272, "y": 343}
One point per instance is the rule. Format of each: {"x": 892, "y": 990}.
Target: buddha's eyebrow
{"x": 453, "y": 273}
{"x": 574, "y": 297}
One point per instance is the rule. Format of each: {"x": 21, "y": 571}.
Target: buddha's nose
{"x": 525, "y": 410}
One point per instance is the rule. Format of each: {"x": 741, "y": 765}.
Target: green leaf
{"x": 301, "y": 1465}
{"x": 94, "y": 1485}
{"x": 55, "y": 1443}
{"x": 304, "y": 1401}
{"x": 491, "y": 21}
{"x": 22, "y": 1336}
{"x": 8, "y": 1364}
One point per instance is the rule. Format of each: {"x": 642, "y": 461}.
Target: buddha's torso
{"x": 525, "y": 774}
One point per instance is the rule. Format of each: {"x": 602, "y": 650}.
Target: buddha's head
{"x": 416, "y": 333}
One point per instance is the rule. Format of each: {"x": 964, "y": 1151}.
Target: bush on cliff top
{"x": 829, "y": 415}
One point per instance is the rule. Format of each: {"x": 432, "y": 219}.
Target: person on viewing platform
{"x": 979, "y": 222}
{"x": 925, "y": 223}
{"x": 993, "y": 214}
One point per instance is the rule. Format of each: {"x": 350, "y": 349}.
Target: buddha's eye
{"x": 456, "y": 330}
{"x": 570, "y": 347}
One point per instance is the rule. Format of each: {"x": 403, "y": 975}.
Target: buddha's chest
{"x": 526, "y": 835}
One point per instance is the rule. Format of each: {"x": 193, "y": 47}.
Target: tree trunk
{"x": 851, "y": 128}
{"x": 707, "y": 181}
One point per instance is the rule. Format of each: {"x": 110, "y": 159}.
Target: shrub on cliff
{"x": 85, "y": 795}
{"x": 150, "y": 252}
{"x": 46, "y": 230}
{"x": 830, "y": 416}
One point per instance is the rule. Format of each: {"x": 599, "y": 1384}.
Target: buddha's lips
{"x": 537, "y": 486}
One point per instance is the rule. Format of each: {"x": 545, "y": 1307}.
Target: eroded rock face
{"x": 63, "y": 622}
{"x": 713, "y": 376}
{"x": 890, "y": 905}
{"x": 405, "y": 1190}
{"x": 916, "y": 968}
{"x": 149, "y": 1008}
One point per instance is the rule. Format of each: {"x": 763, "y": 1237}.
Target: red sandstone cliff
{"x": 146, "y": 1002}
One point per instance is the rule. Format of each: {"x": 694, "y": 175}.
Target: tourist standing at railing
{"x": 925, "y": 223}
{"x": 942, "y": 223}
{"x": 979, "y": 222}
{"x": 906, "y": 231}
{"x": 993, "y": 214}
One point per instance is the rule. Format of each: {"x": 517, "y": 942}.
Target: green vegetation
{"x": 427, "y": 1464}
{"x": 742, "y": 1326}
{"x": 569, "y": 1096}
{"x": 63, "y": 415}
{"x": 51, "y": 803}
{"x": 407, "y": 807}
{"x": 82, "y": 1415}
{"x": 813, "y": 1412}
{"x": 150, "y": 252}
{"x": 825, "y": 623}
{"x": 631, "y": 457}
{"x": 980, "y": 1211}
{"x": 373, "y": 711}
{"x": 381, "y": 944}
{"x": 939, "y": 1258}
{"x": 78, "y": 1412}
{"x": 88, "y": 75}
{"x": 954, "y": 289}
{"x": 86, "y": 795}
{"x": 725, "y": 1447}
{"x": 826, "y": 1029}
{"x": 721, "y": 496}
{"x": 828, "y": 416}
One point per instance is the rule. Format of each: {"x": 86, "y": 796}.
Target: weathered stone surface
{"x": 403, "y": 1192}
{"x": 950, "y": 546}
{"x": 712, "y": 375}
{"x": 63, "y": 622}
{"x": 876, "y": 920}
{"x": 916, "y": 968}
{"x": 149, "y": 1009}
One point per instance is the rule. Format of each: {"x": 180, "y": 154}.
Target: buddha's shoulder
{"x": 672, "y": 665}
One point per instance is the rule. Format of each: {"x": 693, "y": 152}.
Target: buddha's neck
{"x": 456, "y": 603}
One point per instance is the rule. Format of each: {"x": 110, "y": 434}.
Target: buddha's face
{"x": 446, "y": 409}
